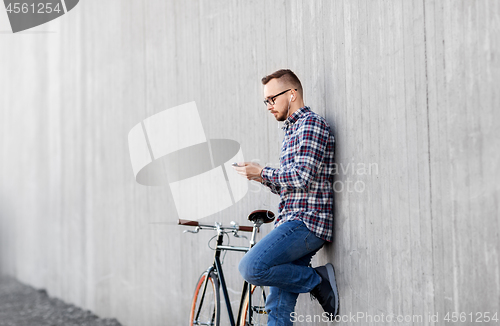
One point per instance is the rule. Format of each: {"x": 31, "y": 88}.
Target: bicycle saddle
{"x": 261, "y": 214}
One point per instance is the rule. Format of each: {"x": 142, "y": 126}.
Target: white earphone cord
{"x": 287, "y": 111}
{"x": 290, "y": 101}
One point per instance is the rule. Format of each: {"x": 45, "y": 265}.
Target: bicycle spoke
{"x": 258, "y": 302}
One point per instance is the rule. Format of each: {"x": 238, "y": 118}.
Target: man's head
{"x": 284, "y": 89}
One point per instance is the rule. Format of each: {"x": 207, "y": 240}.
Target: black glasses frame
{"x": 271, "y": 100}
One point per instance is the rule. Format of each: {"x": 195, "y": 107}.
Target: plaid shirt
{"x": 305, "y": 176}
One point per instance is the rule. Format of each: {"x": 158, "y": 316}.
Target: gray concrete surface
{"x": 410, "y": 86}
{"x": 22, "y": 305}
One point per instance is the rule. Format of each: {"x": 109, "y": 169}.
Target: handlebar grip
{"x": 188, "y": 222}
{"x": 245, "y": 228}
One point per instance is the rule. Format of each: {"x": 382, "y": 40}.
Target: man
{"x": 304, "y": 223}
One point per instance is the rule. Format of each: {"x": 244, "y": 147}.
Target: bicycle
{"x": 205, "y": 307}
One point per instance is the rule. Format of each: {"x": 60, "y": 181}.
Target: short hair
{"x": 285, "y": 76}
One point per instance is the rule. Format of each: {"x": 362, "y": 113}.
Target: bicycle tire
{"x": 259, "y": 317}
{"x": 205, "y": 309}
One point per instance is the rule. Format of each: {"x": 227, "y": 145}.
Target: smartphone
{"x": 235, "y": 164}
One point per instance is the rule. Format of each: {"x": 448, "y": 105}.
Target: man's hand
{"x": 250, "y": 170}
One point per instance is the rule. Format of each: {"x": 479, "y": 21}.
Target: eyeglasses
{"x": 270, "y": 100}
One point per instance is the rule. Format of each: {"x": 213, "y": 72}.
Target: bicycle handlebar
{"x": 214, "y": 227}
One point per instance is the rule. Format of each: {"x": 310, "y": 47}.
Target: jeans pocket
{"x": 295, "y": 225}
{"x": 312, "y": 242}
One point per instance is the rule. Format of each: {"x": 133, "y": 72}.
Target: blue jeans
{"x": 281, "y": 261}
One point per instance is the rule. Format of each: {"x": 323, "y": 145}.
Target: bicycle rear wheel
{"x": 258, "y": 307}
{"x": 205, "y": 308}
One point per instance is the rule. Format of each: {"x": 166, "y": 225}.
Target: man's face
{"x": 280, "y": 107}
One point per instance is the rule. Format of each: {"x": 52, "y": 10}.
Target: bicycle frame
{"x": 217, "y": 267}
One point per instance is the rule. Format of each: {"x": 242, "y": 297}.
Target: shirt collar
{"x": 295, "y": 116}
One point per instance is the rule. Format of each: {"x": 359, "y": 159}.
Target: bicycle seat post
{"x": 259, "y": 217}
{"x": 256, "y": 226}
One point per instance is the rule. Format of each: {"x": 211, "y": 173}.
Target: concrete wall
{"x": 408, "y": 86}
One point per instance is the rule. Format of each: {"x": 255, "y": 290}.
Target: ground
{"x": 22, "y": 305}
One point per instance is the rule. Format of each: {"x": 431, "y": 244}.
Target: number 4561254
{"x": 39, "y": 8}
{"x": 478, "y": 317}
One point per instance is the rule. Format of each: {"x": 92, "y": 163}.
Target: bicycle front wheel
{"x": 205, "y": 309}
{"x": 258, "y": 307}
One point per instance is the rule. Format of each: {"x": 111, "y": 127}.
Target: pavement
{"x": 22, "y": 305}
